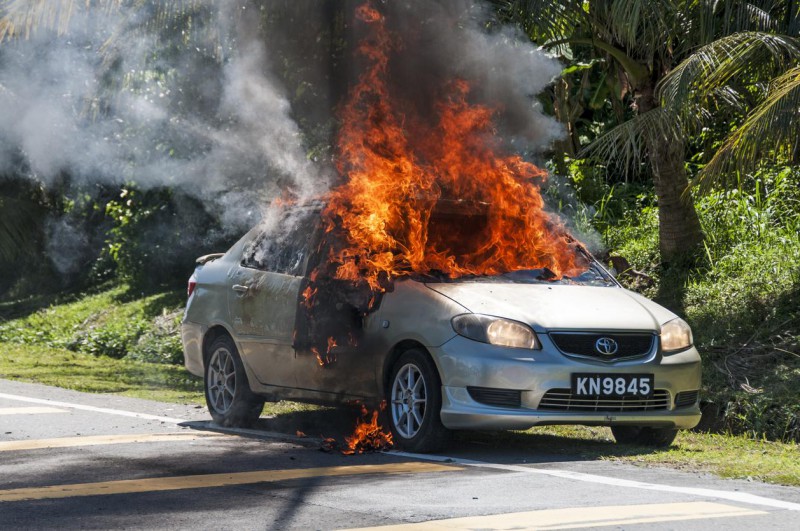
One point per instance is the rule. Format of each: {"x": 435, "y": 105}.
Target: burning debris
{"x": 369, "y": 436}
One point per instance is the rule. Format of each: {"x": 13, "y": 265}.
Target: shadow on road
{"x": 548, "y": 444}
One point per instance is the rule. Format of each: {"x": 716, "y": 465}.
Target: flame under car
{"x": 505, "y": 351}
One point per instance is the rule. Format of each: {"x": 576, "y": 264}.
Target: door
{"x": 262, "y": 300}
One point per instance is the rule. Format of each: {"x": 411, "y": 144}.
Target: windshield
{"x": 459, "y": 228}
{"x": 595, "y": 275}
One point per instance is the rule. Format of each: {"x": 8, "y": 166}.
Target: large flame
{"x": 400, "y": 168}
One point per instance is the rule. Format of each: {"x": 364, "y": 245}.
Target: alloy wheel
{"x": 409, "y": 398}
{"x": 221, "y": 380}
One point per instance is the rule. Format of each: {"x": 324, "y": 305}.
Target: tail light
{"x": 191, "y": 286}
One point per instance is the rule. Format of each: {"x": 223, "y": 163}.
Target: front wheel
{"x": 228, "y": 396}
{"x": 415, "y": 403}
{"x": 644, "y": 436}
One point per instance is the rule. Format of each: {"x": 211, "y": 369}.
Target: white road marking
{"x": 30, "y": 410}
{"x": 742, "y": 497}
{"x": 579, "y": 517}
{"x": 107, "y": 411}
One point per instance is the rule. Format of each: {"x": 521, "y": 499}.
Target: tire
{"x": 414, "y": 396}
{"x": 228, "y": 396}
{"x": 644, "y": 436}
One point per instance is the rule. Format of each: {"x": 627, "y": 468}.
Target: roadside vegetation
{"x": 105, "y": 342}
{"x": 741, "y": 296}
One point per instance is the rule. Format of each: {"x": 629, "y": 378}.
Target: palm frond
{"x": 643, "y": 28}
{"x": 739, "y": 15}
{"x": 714, "y": 65}
{"x": 543, "y": 21}
{"x": 627, "y": 144}
{"x": 772, "y": 128}
{"x": 20, "y": 18}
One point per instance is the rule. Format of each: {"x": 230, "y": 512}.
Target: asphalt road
{"x": 70, "y": 460}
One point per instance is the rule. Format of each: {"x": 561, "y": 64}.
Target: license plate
{"x": 616, "y": 385}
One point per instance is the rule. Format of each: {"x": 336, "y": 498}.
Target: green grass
{"x": 114, "y": 323}
{"x": 111, "y": 341}
{"x": 98, "y": 374}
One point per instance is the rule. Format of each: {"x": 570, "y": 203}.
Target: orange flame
{"x": 330, "y": 356}
{"x": 320, "y": 359}
{"x": 308, "y": 295}
{"x": 368, "y": 435}
{"x": 399, "y": 165}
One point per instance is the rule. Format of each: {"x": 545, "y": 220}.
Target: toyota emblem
{"x": 606, "y": 346}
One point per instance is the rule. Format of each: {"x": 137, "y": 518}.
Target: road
{"x": 71, "y": 460}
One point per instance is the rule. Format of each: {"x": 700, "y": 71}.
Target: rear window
{"x": 282, "y": 245}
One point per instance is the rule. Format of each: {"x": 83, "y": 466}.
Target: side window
{"x": 283, "y": 248}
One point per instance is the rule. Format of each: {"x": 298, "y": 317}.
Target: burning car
{"x": 492, "y": 351}
{"x": 432, "y": 276}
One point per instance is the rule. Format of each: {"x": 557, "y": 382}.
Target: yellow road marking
{"x": 94, "y": 440}
{"x": 580, "y": 517}
{"x": 30, "y": 410}
{"x": 211, "y": 480}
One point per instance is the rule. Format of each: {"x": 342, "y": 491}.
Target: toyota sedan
{"x": 509, "y": 351}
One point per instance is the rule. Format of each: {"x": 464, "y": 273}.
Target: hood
{"x": 559, "y": 306}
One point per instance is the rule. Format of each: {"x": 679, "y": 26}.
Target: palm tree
{"x": 755, "y": 71}
{"x": 641, "y": 42}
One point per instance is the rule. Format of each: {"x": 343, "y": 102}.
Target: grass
{"x": 114, "y": 323}
{"x": 98, "y": 374}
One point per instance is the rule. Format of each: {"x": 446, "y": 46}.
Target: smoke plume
{"x": 234, "y": 102}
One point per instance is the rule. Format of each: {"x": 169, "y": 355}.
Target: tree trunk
{"x": 679, "y": 231}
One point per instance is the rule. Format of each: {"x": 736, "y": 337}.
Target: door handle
{"x": 238, "y": 288}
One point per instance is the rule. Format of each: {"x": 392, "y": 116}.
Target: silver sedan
{"x": 503, "y": 352}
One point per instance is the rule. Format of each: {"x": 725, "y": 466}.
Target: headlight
{"x": 495, "y": 331}
{"x": 676, "y": 335}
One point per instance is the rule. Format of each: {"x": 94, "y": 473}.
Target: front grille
{"x": 564, "y": 400}
{"x": 686, "y": 399}
{"x": 496, "y": 397}
{"x": 584, "y": 344}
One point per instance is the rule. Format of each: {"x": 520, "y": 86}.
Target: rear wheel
{"x": 645, "y": 436}
{"x": 415, "y": 403}
{"x": 228, "y": 395}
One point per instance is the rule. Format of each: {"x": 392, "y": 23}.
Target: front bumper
{"x": 464, "y": 363}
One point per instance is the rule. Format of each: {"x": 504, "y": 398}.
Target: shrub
{"x": 161, "y": 343}
{"x": 156, "y": 236}
{"x": 743, "y": 300}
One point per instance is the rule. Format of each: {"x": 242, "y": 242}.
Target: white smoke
{"x": 198, "y": 106}
{"x": 114, "y": 101}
